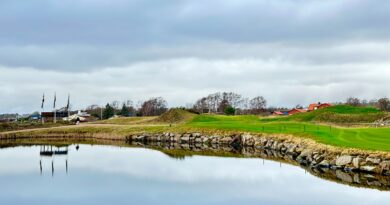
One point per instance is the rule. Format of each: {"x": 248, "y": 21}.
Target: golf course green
{"x": 377, "y": 139}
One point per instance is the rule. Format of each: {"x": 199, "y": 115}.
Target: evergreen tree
{"x": 230, "y": 110}
{"x": 108, "y": 112}
{"x": 125, "y": 111}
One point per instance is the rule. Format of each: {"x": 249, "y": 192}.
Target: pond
{"x": 102, "y": 174}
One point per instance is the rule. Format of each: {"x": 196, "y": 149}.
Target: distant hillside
{"x": 175, "y": 116}
{"x": 337, "y": 114}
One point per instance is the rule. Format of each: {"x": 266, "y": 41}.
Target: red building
{"x": 295, "y": 111}
{"x": 278, "y": 113}
{"x": 316, "y": 106}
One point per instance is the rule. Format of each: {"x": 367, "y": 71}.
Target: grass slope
{"x": 336, "y": 114}
{"x": 377, "y": 139}
{"x": 127, "y": 120}
{"x": 176, "y": 116}
{"x": 12, "y": 126}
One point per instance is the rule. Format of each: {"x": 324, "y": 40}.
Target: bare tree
{"x": 213, "y": 102}
{"x": 116, "y": 104}
{"x": 129, "y": 103}
{"x": 384, "y": 104}
{"x": 258, "y": 105}
{"x": 223, "y": 105}
{"x": 233, "y": 99}
{"x": 94, "y": 110}
{"x": 353, "y": 101}
{"x": 153, "y": 107}
{"x": 92, "y": 107}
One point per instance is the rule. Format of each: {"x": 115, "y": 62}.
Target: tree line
{"x": 382, "y": 103}
{"x": 152, "y": 107}
{"x": 228, "y": 103}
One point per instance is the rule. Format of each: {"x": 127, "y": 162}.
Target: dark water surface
{"x": 114, "y": 175}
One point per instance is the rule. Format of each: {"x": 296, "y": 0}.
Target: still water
{"x": 114, "y": 175}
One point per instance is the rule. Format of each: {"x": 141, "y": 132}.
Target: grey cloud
{"x": 290, "y": 51}
{"x": 183, "y": 81}
{"x": 79, "y": 58}
{"x": 148, "y": 22}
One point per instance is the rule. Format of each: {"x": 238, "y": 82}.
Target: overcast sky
{"x": 289, "y": 51}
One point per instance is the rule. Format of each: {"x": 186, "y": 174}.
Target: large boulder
{"x": 205, "y": 139}
{"x": 176, "y": 138}
{"x": 324, "y": 163}
{"x": 198, "y": 140}
{"x": 356, "y": 162}
{"x": 305, "y": 155}
{"x": 226, "y": 140}
{"x": 248, "y": 140}
{"x": 372, "y": 160}
{"x": 384, "y": 166}
{"x": 343, "y": 160}
{"x": 185, "y": 138}
{"x": 369, "y": 168}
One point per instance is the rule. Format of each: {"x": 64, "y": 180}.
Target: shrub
{"x": 230, "y": 110}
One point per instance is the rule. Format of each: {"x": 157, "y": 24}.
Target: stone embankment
{"x": 302, "y": 152}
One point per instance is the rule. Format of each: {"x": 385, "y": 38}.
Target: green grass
{"x": 341, "y": 114}
{"x": 361, "y": 138}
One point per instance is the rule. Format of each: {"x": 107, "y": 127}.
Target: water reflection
{"x": 53, "y": 153}
{"x": 119, "y": 175}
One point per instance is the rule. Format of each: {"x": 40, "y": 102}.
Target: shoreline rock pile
{"x": 301, "y": 153}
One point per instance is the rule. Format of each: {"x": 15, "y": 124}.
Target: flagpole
{"x": 54, "y": 106}
{"x": 68, "y": 105}
{"x": 43, "y": 103}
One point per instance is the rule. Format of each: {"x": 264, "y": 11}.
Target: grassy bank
{"x": 301, "y": 125}
{"x": 13, "y": 126}
{"x": 361, "y": 138}
{"x": 339, "y": 114}
{"x": 127, "y": 120}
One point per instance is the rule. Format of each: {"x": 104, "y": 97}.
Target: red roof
{"x": 296, "y": 110}
{"x": 313, "y": 106}
{"x": 316, "y": 106}
{"x": 278, "y": 113}
{"x": 325, "y": 105}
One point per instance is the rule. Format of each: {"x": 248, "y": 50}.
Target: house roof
{"x": 298, "y": 110}
{"x": 278, "y": 113}
{"x": 313, "y": 106}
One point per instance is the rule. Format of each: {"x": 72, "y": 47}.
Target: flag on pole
{"x": 43, "y": 100}
{"x": 67, "y": 105}
{"x": 55, "y": 99}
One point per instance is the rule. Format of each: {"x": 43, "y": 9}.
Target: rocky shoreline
{"x": 302, "y": 153}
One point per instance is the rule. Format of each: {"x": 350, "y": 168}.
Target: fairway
{"x": 377, "y": 139}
